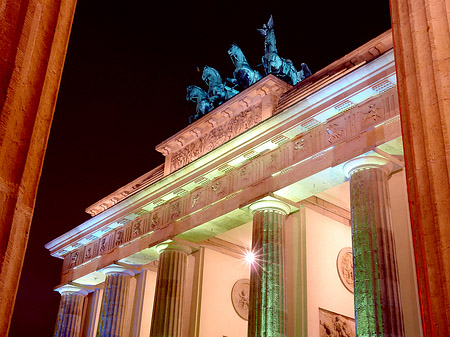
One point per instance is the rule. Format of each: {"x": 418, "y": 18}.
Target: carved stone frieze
{"x": 272, "y": 162}
{"x": 344, "y": 132}
{"x": 302, "y": 147}
{"x": 335, "y": 325}
{"x": 244, "y": 175}
{"x": 218, "y": 188}
{"x": 335, "y": 130}
{"x": 197, "y": 199}
{"x": 216, "y": 137}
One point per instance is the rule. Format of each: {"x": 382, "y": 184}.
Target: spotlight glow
{"x": 250, "y": 257}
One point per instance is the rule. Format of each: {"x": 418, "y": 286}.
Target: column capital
{"x": 116, "y": 269}
{"x": 366, "y": 162}
{"x": 71, "y": 289}
{"x": 270, "y": 204}
{"x": 173, "y": 246}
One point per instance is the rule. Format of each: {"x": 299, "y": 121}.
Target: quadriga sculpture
{"x": 198, "y": 95}
{"x": 217, "y": 92}
{"x": 243, "y": 75}
{"x": 274, "y": 64}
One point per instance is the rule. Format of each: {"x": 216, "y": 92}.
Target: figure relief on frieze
{"x": 155, "y": 220}
{"x": 120, "y": 237}
{"x": 371, "y": 114}
{"x": 174, "y": 210}
{"x": 335, "y": 130}
{"x": 74, "y": 259}
{"x": 136, "y": 228}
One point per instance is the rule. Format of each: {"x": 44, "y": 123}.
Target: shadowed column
{"x": 421, "y": 32}
{"x": 115, "y": 298}
{"x": 267, "y": 307}
{"x": 169, "y": 291}
{"x": 377, "y": 300}
{"x": 70, "y": 313}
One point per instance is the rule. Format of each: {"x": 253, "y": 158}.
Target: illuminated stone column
{"x": 421, "y": 32}
{"x": 169, "y": 291}
{"x": 33, "y": 41}
{"x": 267, "y": 307}
{"x": 115, "y": 297}
{"x": 70, "y": 313}
{"x": 377, "y": 300}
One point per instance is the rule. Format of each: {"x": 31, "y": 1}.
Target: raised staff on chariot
{"x": 243, "y": 76}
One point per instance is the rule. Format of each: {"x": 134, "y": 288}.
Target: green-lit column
{"x": 169, "y": 292}
{"x": 70, "y": 313}
{"x": 378, "y": 309}
{"x": 112, "y": 315}
{"x": 267, "y": 307}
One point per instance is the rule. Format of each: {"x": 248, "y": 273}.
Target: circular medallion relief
{"x": 240, "y": 295}
{"x": 345, "y": 267}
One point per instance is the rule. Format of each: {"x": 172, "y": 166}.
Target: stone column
{"x": 33, "y": 40}
{"x": 376, "y": 287}
{"x": 115, "y": 297}
{"x": 169, "y": 291}
{"x": 70, "y": 314}
{"x": 267, "y": 306}
{"x": 421, "y": 32}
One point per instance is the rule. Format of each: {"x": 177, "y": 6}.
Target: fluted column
{"x": 377, "y": 300}
{"x": 169, "y": 291}
{"x": 267, "y": 307}
{"x": 421, "y": 32}
{"x": 115, "y": 297}
{"x": 70, "y": 313}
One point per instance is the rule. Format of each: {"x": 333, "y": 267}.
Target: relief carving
{"x": 301, "y": 147}
{"x": 335, "y": 131}
{"x": 244, "y": 175}
{"x": 120, "y": 237}
{"x": 219, "y": 188}
{"x": 74, "y": 259}
{"x": 372, "y": 115}
{"x": 240, "y": 296}
{"x": 197, "y": 199}
{"x": 102, "y": 245}
{"x": 174, "y": 210}
{"x": 217, "y": 136}
{"x": 155, "y": 220}
{"x": 344, "y": 264}
{"x": 335, "y": 325}
{"x": 136, "y": 229}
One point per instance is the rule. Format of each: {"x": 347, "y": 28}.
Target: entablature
{"x": 311, "y": 135}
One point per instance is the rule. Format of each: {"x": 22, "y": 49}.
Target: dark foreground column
{"x": 33, "y": 42}
{"x": 377, "y": 300}
{"x": 267, "y": 308}
{"x": 169, "y": 292}
{"x": 70, "y": 314}
{"x": 113, "y": 311}
{"x": 421, "y": 32}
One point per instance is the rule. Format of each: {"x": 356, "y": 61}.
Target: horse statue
{"x": 218, "y": 92}
{"x": 243, "y": 76}
{"x": 274, "y": 64}
{"x": 198, "y": 95}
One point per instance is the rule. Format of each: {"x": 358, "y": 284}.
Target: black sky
{"x": 123, "y": 92}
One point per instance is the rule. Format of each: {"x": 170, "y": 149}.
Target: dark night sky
{"x": 123, "y": 92}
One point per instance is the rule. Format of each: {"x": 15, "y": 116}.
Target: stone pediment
{"x": 225, "y": 122}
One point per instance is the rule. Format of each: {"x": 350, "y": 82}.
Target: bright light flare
{"x": 249, "y": 257}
